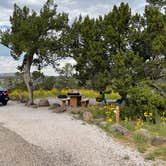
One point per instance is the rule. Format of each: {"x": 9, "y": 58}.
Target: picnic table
{"x": 75, "y": 99}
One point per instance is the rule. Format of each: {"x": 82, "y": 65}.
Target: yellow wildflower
{"x": 145, "y": 114}
{"x": 109, "y": 120}
{"x": 150, "y": 114}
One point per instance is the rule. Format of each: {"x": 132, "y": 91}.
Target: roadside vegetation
{"x": 143, "y": 134}
{"x": 41, "y": 93}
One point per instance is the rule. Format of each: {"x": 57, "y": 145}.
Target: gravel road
{"x": 38, "y": 137}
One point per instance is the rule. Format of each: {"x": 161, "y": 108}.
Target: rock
{"x": 98, "y": 121}
{"x": 143, "y": 132}
{"x": 76, "y": 116}
{"x": 43, "y": 103}
{"x": 24, "y": 100}
{"x": 119, "y": 129}
{"x": 87, "y": 116}
{"x": 59, "y": 109}
{"x": 156, "y": 141}
{"x": 76, "y": 110}
{"x": 54, "y": 106}
{"x": 34, "y": 106}
{"x": 102, "y": 124}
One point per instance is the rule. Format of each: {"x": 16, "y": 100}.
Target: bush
{"x": 15, "y": 93}
{"x": 143, "y": 100}
{"x": 106, "y": 112}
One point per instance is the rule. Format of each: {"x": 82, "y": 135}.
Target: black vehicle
{"x": 4, "y": 96}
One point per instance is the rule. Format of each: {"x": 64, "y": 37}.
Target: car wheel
{"x": 4, "y": 102}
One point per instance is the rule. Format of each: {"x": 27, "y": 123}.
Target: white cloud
{"x": 51, "y": 72}
{"x": 8, "y": 64}
{"x": 4, "y": 16}
{"x": 71, "y": 2}
{"x": 31, "y": 3}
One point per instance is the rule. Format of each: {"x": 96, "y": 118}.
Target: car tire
{"x": 4, "y": 102}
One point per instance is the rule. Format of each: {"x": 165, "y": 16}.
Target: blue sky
{"x": 94, "y": 8}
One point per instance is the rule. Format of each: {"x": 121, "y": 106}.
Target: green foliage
{"x": 94, "y": 42}
{"x": 37, "y": 74}
{"x": 88, "y": 51}
{"x": 143, "y": 99}
{"x": 126, "y": 71}
{"x": 158, "y": 3}
{"x": 140, "y": 138}
{"x": 105, "y": 112}
{"x": 159, "y": 128}
{"x": 159, "y": 153}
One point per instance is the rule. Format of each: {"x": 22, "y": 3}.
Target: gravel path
{"x": 45, "y": 137}
{"x": 14, "y": 150}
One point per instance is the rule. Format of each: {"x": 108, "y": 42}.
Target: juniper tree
{"x": 37, "y": 37}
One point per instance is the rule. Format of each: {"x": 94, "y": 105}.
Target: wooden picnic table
{"x": 75, "y": 100}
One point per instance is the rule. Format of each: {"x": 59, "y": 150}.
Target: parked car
{"x": 4, "y": 96}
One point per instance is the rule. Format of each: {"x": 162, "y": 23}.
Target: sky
{"x": 74, "y": 8}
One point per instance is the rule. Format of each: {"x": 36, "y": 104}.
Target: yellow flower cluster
{"x": 55, "y": 92}
{"x": 148, "y": 115}
{"x": 139, "y": 124}
{"x": 163, "y": 119}
{"x": 13, "y": 95}
{"x": 109, "y": 120}
{"x": 106, "y": 111}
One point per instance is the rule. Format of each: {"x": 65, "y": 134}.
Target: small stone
{"x": 76, "y": 110}
{"x": 76, "y": 116}
{"x": 102, "y": 124}
{"x": 43, "y": 103}
{"x": 143, "y": 132}
{"x": 98, "y": 121}
{"x": 87, "y": 116}
{"x": 119, "y": 129}
{"x": 59, "y": 109}
{"x": 156, "y": 141}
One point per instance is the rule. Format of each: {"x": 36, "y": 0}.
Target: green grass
{"x": 156, "y": 129}
{"x": 157, "y": 153}
{"x": 143, "y": 142}
{"x": 140, "y": 138}
{"x": 129, "y": 125}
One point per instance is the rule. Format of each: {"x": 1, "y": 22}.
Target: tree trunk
{"x": 27, "y": 78}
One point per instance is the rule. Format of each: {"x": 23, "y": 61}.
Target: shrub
{"x": 140, "y": 138}
{"x": 15, "y": 93}
{"x": 105, "y": 112}
{"x": 143, "y": 100}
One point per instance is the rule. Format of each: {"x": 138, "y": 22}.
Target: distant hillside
{"x": 5, "y": 75}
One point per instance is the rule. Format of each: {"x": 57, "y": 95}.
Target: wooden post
{"x": 117, "y": 114}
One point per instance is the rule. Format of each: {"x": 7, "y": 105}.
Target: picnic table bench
{"x": 65, "y": 101}
{"x": 84, "y": 102}
{"x": 74, "y": 102}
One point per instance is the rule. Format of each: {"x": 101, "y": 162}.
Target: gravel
{"x": 14, "y": 150}
{"x": 67, "y": 142}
